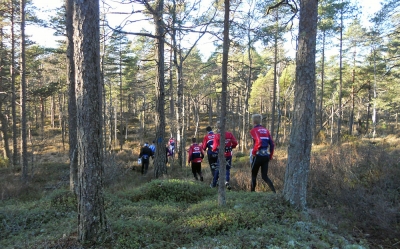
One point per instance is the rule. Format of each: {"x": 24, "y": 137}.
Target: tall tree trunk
{"x": 224, "y": 80}
{"x": 322, "y": 82}
{"x": 246, "y": 114}
{"x": 351, "y": 119}
{"x": 3, "y": 117}
{"x": 299, "y": 151}
{"x": 42, "y": 110}
{"x": 13, "y": 89}
{"x": 368, "y": 108}
{"x": 172, "y": 122}
{"x": 374, "y": 115}
{"x": 52, "y": 104}
{"x": 91, "y": 213}
{"x": 210, "y": 110}
{"x": 60, "y": 116}
{"x": 72, "y": 122}
{"x": 121, "y": 118}
{"x": 102, "y": 56}
{"x": 275, "y": 75}
{"x": 24, "y": 144}
{"x": 339, "y": 122}
{"x": 160, "y": 166}
{"x": 180, "y": 116}
{"x": 332, "y": 118}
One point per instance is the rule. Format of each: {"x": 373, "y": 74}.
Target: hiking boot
{"x": 228, "y": 186}
{"x": 195, "y": 177}
{"x": 211, "y": 186}
{"x": 201, "y": 178}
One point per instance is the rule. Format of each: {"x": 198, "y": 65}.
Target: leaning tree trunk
{"x": 91, "y": 213}
{"x": 299, "y": 151}
{"x": 160, "y": 166}
{"x": 24, "y": 144}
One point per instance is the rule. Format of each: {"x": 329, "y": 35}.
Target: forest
{"x": 75, "y": 115}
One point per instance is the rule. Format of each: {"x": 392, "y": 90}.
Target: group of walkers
{"x": 260, "y": 155}
{"x": 148, "y": 151}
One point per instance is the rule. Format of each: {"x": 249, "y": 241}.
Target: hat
{"x": 146, "y": 144}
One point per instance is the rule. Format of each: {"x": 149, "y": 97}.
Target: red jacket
{"x": 230, "y": 143}
{"x": 262, "y": 139}
{"x": 208, "y": 142}
{"x": 196, "y": 154}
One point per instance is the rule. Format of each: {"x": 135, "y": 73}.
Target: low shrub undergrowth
{"x": 249, "y": 220}
{"x": 170, "y": 214}
{"x": 170, "y": 190}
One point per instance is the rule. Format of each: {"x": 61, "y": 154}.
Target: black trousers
{"x": 260, "y": 162}
{"x": 196, "y": 169}
{"x": 212, "y": 160}
{"x": 145, "y": 165}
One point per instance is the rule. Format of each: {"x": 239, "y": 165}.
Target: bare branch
{"x": 284, "y": 2}
{"x": 131, "y": 33}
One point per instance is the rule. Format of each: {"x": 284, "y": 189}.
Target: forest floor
{"x": 353, "y": 202}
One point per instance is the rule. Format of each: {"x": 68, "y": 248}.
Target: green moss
{"x": 171, "y": 214}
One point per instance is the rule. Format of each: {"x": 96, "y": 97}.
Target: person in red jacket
{"x": 207, "y": 145}
{"x": 230, "y": 143}
{"x": 196, "y": 156}
{"x": 259, "y": 155}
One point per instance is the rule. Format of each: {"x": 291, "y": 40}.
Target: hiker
{"x": 166, "y": 154}
{"x": 230, "y": 143}
{"x": 259, "y": 155}
{"x": 208, "y": 144}
{"x": 196, "y": 156}
{"x": 171, "y": 147}
{"x": 145, "y": 154}
{"x": 153, "y": 148}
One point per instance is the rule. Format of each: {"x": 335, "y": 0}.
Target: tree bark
{"x": 160, "y": 166}
{"x": 3, "y": 117}
{"x": 275, "y": 76}
{"x": 72, "y": 122}
{"x": 321, "y": 112}
{"x": 351, "y": 119}
{"x": 224, "y": 80}
{"x": 13, "y": 90}
{"x": 52, "y": 111}
{"x": 121, "y": 118}
{"x": 299, "y": 151}
{"x": 339, "y": 121}
{"x": 88, "y": 87}
{"x": 24, "y": 144}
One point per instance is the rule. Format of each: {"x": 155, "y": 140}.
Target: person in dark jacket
{"x": 145, "y": 154}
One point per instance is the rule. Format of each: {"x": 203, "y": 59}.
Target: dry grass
{"x": 356, "y": 187}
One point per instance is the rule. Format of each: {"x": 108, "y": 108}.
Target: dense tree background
{"x": 161, "y": 62}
